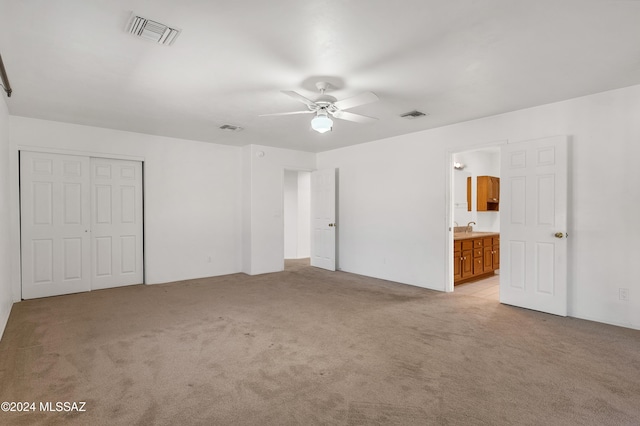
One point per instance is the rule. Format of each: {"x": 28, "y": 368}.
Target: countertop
{"x": 473, "y": 234}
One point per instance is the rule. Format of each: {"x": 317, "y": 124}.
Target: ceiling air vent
{"x": 413, "y": 114}
{"x": 152, "y": 30}
{"x": 230, "y": 128}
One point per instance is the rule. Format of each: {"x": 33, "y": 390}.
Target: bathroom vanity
{"x": 476, "y": 255}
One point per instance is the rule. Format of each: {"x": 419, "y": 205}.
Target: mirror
{"x": 461, "y": 194}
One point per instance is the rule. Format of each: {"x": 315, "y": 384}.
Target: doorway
{"x": 297, "y": 214}
{"x": 476, "y": 223}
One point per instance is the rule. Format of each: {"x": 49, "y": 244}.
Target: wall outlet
{"x": 624, "y": 294}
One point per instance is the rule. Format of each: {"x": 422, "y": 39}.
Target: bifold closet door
{"x": 55, "y": 224}
{"x": 81, "y": 223}
{"x": 116, "y": 223}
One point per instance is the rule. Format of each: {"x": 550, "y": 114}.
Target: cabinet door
{"x": 488, "y": 193}
{"x": 467, "y": 263}
{"x": 488, "y": 259}
{"x": 496, "y": 257}
{"x": 478, "y": 266}
{"x": 457, "y": 266}
{"x": 490, "y": 189}
{"x": 493, "y": 189}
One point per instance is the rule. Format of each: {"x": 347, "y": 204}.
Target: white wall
{"x": 394, "y": 194}
{"x": 263, "y": 180}
{"x": 297, "y": 214}
{"x": 192, "y": 194}
{"x": 304, "y": 215}
{"x": 6, "y": 290}
{"x": 290, "y": 214}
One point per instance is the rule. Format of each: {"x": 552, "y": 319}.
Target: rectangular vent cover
{"x": 152, "y": 30}
{"x": 413, "y": 114}
{"x": 230, "y": 128}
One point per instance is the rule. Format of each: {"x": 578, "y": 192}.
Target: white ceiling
{"x": 72, "y": 61}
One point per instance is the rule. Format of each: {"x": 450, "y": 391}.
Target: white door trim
{"x": 92, "y": 154}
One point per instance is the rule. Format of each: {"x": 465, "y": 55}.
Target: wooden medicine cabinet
{"x": 488, "y": 193}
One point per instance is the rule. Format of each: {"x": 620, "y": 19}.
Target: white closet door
{"x": 116, "y": 223}
{"x": 55, "y": 203}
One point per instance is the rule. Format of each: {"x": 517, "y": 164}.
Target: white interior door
{"x": 533, "y": 224}
{"x": 116, "y": 223}
{"x": 55, "y": 224}
{"x": 323, "y": 219}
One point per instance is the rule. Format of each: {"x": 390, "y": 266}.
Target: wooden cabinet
{"x": 477, "y": 266}
{"x": 475, "y": 258}
{"x": 491, "y": 254}
{"x": 466, "y": 259}
{"x": 457, "y": 261}
{"x": 488, "y": 193}
{"x": 496, "y": 253}
{"x": 466, "y": 270}
{"x": 487, "y": 255}
{"x": 478, "y": 261}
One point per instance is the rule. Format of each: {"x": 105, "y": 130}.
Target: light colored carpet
{"x": 306, "y": 346}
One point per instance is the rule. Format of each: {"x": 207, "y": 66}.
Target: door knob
{"x": 559, "y": 234}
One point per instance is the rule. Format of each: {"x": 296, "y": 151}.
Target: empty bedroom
{"x": 329, "y": 212}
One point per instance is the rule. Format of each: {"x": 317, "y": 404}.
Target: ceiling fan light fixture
{"x": 326, "y": 105}
{"x": 321, "y": 123}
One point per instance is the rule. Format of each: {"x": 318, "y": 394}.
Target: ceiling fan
{"x": 327, "y": 105}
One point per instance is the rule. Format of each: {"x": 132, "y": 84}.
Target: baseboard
{"x": 4, "y": 319}
{"x": 600, "y": 320}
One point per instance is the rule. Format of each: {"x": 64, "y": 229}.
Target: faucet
{"x": 469, "y": 226}
{"x": 456, "y": 224}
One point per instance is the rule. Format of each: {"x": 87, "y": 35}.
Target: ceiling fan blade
{"x": 298, "y": 97}
{"x": 349, "y": 116}
{"x": 357, "y": 100}
{"x": 286, "y": 113}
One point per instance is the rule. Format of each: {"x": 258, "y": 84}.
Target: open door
{"x": 533, "y": 224}
{"x": 323, "y": 219}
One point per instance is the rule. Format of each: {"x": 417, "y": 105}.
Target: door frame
{"x": 449, "y": 208}
{"x": 15, "y": 213}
